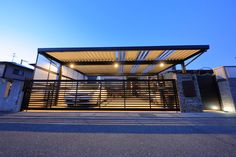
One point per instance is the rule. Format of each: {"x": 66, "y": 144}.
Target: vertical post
{"x": 58, "y": 84}
{"x": 100, "y": 94}
{"x": 60, "y": 73}
{"x": 124, "y": 92}
{"x": 27, "y": 88}
{"x": 149, "y": 94}
{"x": 76, "y": 92}
{"x": 49, "y": 70}
{"x": 54, "y": 100}
{"x": 175, "y": 94}
{"x": 183, "y": 68}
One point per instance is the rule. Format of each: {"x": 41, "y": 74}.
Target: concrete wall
{"x": 226, "y": 79}
{"x": 12, "y": 101}
{"x": 187, "y": 104}
{"x": 232, "y": 84}
{"x": 228, "y": 94}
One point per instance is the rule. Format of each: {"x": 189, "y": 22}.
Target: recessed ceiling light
{"x": 162, "y": 64}
{"x": 116, "y": 65}
{"x": 72, "y": 65}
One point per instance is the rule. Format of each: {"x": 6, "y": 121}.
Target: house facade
{"x": 121, "y": 78}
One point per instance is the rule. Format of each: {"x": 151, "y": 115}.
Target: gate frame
{"x": 29, "y": 83}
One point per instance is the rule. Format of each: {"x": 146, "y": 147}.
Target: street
{"x": 117, "y": 134}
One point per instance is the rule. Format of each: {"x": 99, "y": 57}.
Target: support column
{"x": 183, "y": 68}
{"x": 57, "y": 85}
{"x": 188, "y": 92}
{"x": 59, "y": 73}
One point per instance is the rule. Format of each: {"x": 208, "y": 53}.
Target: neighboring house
{"x": 12, "y": 76}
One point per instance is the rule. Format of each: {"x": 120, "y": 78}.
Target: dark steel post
{"x": 100, "y": 94}
{"x": 47, "y": 93}
{"x": 76, "y": 92}
{"x": 58, "y": 85}
{"x": 124, "y": 90}
{"x": 150, "y": 101}
{"x": 27, "y": 88}
{"x": 175, "y": 94}
{"x": 53, "y": 99}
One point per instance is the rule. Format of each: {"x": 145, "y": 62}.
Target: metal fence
{"x": 101, "y": 94}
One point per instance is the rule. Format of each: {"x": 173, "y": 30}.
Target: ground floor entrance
{"x": 101, "y": 94}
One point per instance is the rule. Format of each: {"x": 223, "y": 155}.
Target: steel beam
{"x": 121, "y": 62}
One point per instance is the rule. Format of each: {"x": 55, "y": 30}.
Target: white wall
{"x": 2, "y": 68}
{"x": 225, "y": 72}
{"x": 12, "y": 102}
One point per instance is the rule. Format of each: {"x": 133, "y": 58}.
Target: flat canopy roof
{"x": 137, "y": 60}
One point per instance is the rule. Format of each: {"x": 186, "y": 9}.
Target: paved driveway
{"x": 117, "y": 134}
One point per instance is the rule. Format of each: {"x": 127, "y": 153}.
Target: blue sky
{"x": 26, "y": 25}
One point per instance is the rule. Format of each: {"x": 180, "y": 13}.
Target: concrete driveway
{"x": 117, "y": 134}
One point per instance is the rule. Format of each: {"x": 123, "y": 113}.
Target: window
{"x": 18, "y": 72}
{"x": 189, "y": 88}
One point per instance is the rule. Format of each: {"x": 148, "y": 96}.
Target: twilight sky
{"x": 26, "y": 25}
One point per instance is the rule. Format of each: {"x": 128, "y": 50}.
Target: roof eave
{"x": 130, "y": 48}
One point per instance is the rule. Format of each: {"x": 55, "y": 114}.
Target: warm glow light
{"x": 72, "y": 65}
{"x": 228, "y": 109}
{"x": 162, "y": 64}
{"x": 116, "y": 65}
{"x": 214, "y": 107}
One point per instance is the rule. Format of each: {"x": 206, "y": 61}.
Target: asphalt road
{"x": 117, "y": 134}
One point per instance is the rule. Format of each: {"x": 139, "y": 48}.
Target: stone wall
{"x": 187, "y": 104}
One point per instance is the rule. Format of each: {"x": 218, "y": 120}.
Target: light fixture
{"x": 214, "y": 107}
{"x": 162, "y": 64}
{"x": 71, "y": 65}
{"x": 116, "y": 65}
{"x": 228, "y": 109}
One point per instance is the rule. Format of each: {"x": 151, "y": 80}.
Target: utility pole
{"x": 13, "y": 56}
{"x": 22, "y": 60}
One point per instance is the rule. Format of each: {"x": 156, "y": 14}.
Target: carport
{"x": 107, "y": 77}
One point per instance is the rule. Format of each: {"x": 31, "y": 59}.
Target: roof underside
{"x": 132, "y": 60}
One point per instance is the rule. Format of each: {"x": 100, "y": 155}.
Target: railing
{"x": 101, "y": 94}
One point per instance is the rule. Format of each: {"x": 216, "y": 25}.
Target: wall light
{"x": 228, "y": 109}
{"x": 116, "y": 65}
{"x": 71, "y": 65}
{"x": 214, "y": 107}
